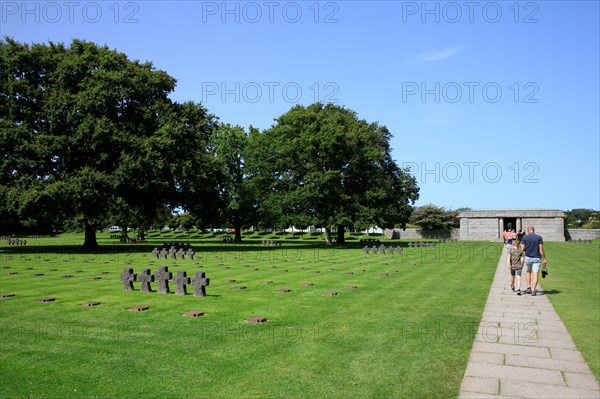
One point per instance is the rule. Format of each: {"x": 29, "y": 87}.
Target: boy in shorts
{"x": 515, "y": 261}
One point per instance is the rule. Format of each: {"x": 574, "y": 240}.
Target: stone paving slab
{"x": 536, "y": 390}
{"x": 523, "y": 350}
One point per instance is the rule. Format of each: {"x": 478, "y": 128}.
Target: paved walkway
{"x": 523, "y": 350}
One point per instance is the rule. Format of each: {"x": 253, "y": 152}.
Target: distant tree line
{"x": 89, "y": 138}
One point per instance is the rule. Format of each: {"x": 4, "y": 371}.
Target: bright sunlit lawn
{"x": 406, "y": 331}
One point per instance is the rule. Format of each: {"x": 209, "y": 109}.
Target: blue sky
{"x": 492, "y": 104}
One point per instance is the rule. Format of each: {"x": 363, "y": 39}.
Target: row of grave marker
{"x": 382, "y": 250}
{"x": 173, "y": 253}
{"x": 16, "y": 241}
{"x": 162, "y": 277}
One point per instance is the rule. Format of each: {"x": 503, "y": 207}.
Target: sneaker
{"x": 533, "y": 293}
{"x": 512, "y": 287}
{"x": 528, "y": 290}
{"x": 518, "y": 292}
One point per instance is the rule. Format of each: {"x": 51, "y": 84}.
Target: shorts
{"x": 532, "y": 264}
{"x": 515, "y": 272}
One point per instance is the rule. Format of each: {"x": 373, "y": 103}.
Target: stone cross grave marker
{"x": 366, "y": 249}
{"x": 182, "y": 280}
{"x": 163, "y": 254}
{"x": 180, "y": 254}
{"x": 172, "y": 252}
{"x": 155, "y": 253}
{"x": 374, "y": 249}
{"x": 162, "y": 276}
{"x": 200, "y": 281}
{"x": 145, "y": 278}
{"x": 128, "y": 277}
{"x": 190, "y": 254}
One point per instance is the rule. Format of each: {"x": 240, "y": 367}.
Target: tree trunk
{"x": 90, "y": 241}
{"x": 341, "y": 231}
{"x": 327, "y": 236}
{"x": 124, "y": 231}
{"x": 141, "y": 233}
{"x": 238, "y": 233}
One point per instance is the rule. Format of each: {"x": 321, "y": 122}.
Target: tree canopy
{"x": 434, "y": 218}
{"x": 88, "y": 135}
{"x": 321, "y": 165}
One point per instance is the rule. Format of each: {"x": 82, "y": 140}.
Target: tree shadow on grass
{"x": 551, "y": 292}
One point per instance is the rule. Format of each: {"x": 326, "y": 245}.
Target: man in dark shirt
{"x": 533, "y": 245}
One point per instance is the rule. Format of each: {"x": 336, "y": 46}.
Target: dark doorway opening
{"x": 510, "y": 224}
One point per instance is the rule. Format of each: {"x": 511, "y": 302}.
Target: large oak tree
{"x": 87, "y": 135}
{"x": 322, "y": 165}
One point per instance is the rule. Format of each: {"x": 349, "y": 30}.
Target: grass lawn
{"x": 573, "y": 287}
{"x": 404, "y": 334}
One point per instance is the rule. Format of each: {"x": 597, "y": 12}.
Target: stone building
{"x": 488, "y": 224}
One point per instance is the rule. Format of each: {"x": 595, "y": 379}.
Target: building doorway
{"x": 510, "y": 224}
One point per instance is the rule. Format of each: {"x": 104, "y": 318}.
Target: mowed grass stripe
{"x": 399, "y": 335}
{"x": 573, "y": 288}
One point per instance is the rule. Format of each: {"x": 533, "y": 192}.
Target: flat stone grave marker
{"x": 300, "y": 267}
{"x": 38, "y": 274}
{"x": 67, "y": 276}
{"x": 284, "y": 290}
{"x": 139, "y": 308}
{"x": 308, "y": 284}
{"x": 77, "y": 271}
{"x": 254, "y": 268}
{"x": 96, "y": 278}
{"x": 331, "y": 268}
{"x": 349, "y": 273}
{"x": 240, "y": 287}
{"x": 200, "y": 282}
{"x": 29, "y": 268}
{"x": 7, "y": 295}
{"x": 104, "y": 272}
{"x": 182, "y": 281}
{"x": 393, "y": 271}
{"x": 128, "y": 277}
{"x": 145, "y": 278}
{"x": 230, "y": 280}
{"x": 91, "y": 303}
{"x": 53, "y": 270}
{"x": 256, "y": 319}
{"x": 284, "y": 271}
{"x": 330, "y": 293}
{"x": 384, "y": 274}
{"x": 351, "y": 286}
{"x": 316, "y": 271}
{"x": 5, "y": 267}
{"x": 162, "y": 276}
{"x": 267, "y": 282}
{"x": 47, "y": 299}
{"x": 12, "y": 273}
{"x": 194, "y": 313}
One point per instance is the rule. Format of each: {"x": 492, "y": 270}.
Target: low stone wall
{"x": 581, "y": 234}
{"x": 414, "y": 234}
